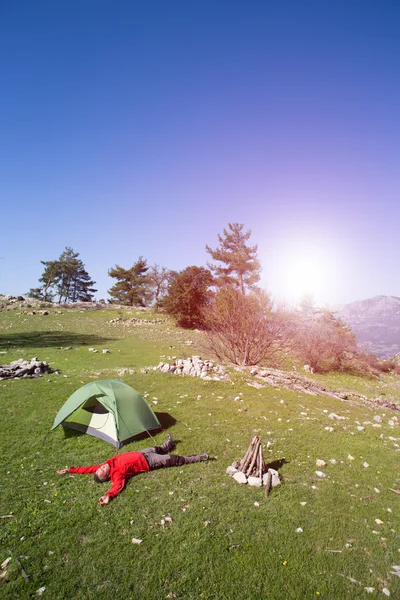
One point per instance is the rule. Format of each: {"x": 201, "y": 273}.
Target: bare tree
{"x": 246, "y": 330}
{"x": 324, "y": 341}
{"x": 158, "y": 280}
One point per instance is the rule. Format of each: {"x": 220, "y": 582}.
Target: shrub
{"x": 246, "y": 330}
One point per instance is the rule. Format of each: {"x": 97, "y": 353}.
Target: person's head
{"x": 102, "y": 473}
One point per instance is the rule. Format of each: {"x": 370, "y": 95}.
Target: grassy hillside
{"x": 225, "y": 540}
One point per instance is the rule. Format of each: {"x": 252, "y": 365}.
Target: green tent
{"x": 110, "y": 410}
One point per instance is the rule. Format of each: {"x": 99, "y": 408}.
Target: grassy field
{"x": 225, "y": 541}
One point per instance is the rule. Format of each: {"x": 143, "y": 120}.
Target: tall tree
{"x": 133, "y": 285}
{"x": 66, "y": 277}
{"x": 188, "y": 294}
{"x": 241, "y": 267}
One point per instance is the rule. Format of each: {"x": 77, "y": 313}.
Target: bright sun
{"x": 304, "y": 274}
{"x": 305, "y": 268}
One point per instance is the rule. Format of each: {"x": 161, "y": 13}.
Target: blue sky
{"x": 144, "y": 128}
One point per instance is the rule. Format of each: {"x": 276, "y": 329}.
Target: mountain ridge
{"x": 376, "y": 324}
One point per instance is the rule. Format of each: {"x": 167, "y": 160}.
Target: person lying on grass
{"x": 120, "y": 468}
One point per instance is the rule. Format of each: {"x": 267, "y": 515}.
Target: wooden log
{"x": 253, "y": 460}
{"x": 261, "y": 463}
{"x": 268, "y": 483}
{"x": 249, "y": 454}
{"x": 246, "y": 456}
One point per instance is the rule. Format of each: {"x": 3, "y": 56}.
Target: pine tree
{"x": 67, "y": 277}
{"x": 242, "y": 267}
{"x": 133, "y": 285}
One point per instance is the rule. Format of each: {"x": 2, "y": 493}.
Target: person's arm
{"x": 117, "y": 486}
{"x": 81, "y": 470}
{"x": 84, "y": 470}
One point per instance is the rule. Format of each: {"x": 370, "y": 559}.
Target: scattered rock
{"x": 320, "y": 463}
{"x": 336, "y": 417}
{"x": 193, "y": 366}
{"x": 25, "y": 368}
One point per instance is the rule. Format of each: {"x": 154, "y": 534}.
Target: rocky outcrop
{"x": 25, "y": 368}
{"x": 134, "y": 321}
{"x": 194, "y": 366}
{"x": 294, "y": 382}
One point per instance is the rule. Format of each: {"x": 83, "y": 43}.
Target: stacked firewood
{"x": 252, "y": 465}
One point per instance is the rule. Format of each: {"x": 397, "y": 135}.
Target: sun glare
{"x": 305, "y": 269}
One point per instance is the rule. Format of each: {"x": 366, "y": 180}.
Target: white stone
{"x": 299, "y": 530}
{"x": 303, "y": 503}
{"x": 369, "y": 590}
{"x": 320, "y": 463}
{"x": 386, "y": 592}
{"x": 350, "y": 457}
{"x": 360, "y": 428}
{"x": 231, "y": 470}
{"x": 328, "y": 428}
{"x": 333, "y": 461}
{"x": 275, "y": 477}
{"x": 240, "y": 477}
{"x": 335, "y": 417}
{"x": 378, "y": 419}
{"x": 254, "y": 481}
{"x": 378, "y": 522}
{"x": 366, "y": 465}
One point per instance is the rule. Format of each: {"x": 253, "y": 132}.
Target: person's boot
{"x": 168, "y": 445}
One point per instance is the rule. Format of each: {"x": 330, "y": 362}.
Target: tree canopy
{"x": 65, "y": 277}
{"x": 132, "y": 286}
{"x": 188, "y": 294}
{"x": 240, "y": 266}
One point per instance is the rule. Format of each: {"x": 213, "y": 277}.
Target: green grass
{"x": 219, "y": 544}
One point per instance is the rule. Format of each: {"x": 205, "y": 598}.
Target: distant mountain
{"x": 376, "y": 323}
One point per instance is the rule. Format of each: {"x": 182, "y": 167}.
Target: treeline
{"x": 241, "y": 322}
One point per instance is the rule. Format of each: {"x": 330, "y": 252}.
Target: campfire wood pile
{"x": 252, "y": 468}
{"x": 253, "y": 463}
